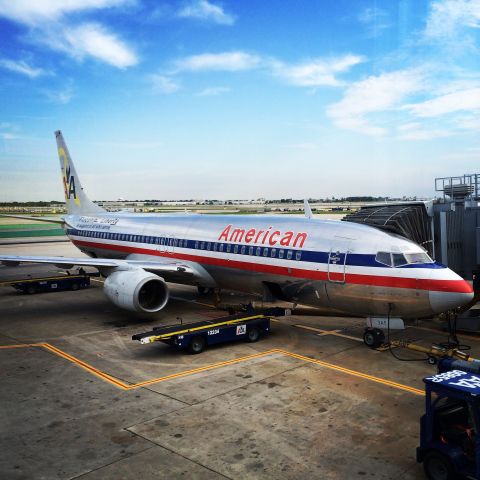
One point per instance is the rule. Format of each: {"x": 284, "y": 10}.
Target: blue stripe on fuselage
{"x": 353, "y": 259}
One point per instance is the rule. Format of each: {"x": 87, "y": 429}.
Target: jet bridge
{"x": 448, "y": 228}
{"x": 411, "y": 220}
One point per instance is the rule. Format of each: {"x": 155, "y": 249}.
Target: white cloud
{"x": 49, "y": 24}
{"x": 163, "y": 84}
{"x": 61, "y": 96}
{"x": 9, "y": 136}
{"x": 316, "y": 72}
{"x": 91, "y": 39}
{"x": 463, "y": 100}
{"x": 226, "y": 61}
{"x": 375, "y": 19}
{"x": 447, "y": 17}
{"x": 34, "y": 12}
{"x": 22, "y": 67}
{"x": 213, "y": 91}
{"x": 373, "y": 95}
{"x": 416, "y": 131}
{"x": 207, "y": 12}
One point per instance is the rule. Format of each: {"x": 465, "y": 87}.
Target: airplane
{"x": 338, "y": 267}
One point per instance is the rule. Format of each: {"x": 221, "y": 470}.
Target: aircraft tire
{"x": 438, "y": 467}
{"x": 197, "y": 345}
{"x": 373, "y": 337}
{"x": 75, "y": 286}
{"x": 31, "y": 289}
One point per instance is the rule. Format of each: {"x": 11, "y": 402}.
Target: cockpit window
{"x": 401, "y": 259}
{"x": 420, "y": 257}
{"x": 385, "y": 258}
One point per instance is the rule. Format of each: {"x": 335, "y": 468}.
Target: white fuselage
{"x": 336, "y": 266}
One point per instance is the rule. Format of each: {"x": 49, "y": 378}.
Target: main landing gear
{"x": 373, "y": 337}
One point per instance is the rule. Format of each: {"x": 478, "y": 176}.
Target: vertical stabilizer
{"x": 77, "y": 202}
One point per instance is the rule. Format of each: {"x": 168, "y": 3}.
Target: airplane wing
{"x": 60, "y": 221}
{"x": 171, "y": 271}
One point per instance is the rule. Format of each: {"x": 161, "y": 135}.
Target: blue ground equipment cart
{"x": 49, "y": 284}
{"x": 195, "y": 337}
{"x": 449, "y": 430}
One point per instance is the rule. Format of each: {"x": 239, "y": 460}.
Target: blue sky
{"x": 238, "y": 99}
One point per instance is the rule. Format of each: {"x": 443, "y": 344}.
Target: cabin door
{"x": 337, "y": 259}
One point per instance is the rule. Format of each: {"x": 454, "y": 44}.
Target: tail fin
{"x": 77, "y": 202}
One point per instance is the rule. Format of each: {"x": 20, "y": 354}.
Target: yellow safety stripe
{"x": 63, "y": 277}
{"x": 165, "y": 336}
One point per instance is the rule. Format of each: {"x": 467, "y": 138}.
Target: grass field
{"x": 11, "y": 228}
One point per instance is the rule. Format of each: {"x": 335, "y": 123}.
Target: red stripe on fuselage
{"x": 457, "y": 286}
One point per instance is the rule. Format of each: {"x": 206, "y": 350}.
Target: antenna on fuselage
{"x": 308, "y": 210}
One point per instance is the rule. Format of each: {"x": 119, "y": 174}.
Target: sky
{"x": 210, "y": 99}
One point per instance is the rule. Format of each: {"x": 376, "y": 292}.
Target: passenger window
{"x": 265, "y": 252}
{"x": 235, "y": 249}
{"x": 289, "y": 254}
{"x": 242, "y": 251}
{"x": 202, "y": 246}
{"x": 280, "y": 253}
{"x": 220, "y": 247}
{"x": 250, "y": 250}
{"x": 215, "y": 247}
{"x": 273, "y": 253}
{"x": 259, "y": 251}
{"x": 298, "y": 255}
{"x": 384, "y": 258}
{"x": 196, "y": 245}
{"x": 229, "y": 248}
{"x": 209, "y": 245}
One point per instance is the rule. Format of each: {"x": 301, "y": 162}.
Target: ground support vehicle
{"x": 449, "y": 429}
{"x": 49, "y": 284}
{"x": 197, "y": 336}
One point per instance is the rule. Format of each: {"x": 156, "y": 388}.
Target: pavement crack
{"x": 182, "y": 456}
{"x": 115, "y": 461}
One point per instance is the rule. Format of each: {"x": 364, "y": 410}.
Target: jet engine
{"x": 137, "y": 290}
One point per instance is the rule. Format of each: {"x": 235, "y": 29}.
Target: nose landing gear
{"x": 373, "y": 337}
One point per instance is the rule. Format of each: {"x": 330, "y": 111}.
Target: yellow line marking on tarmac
{"x": 354, "y": 373}
{"x": 322, "y": 332}
{"x": 126, "y": 386}
{"x": 24, "y": 345}
{"x": 96, "y": 280}
{"x": 207, "y": 367}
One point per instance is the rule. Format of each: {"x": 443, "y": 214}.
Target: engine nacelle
{"x": 137, "y": 290}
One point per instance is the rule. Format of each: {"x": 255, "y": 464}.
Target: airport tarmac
{"x": 80, "y": 399}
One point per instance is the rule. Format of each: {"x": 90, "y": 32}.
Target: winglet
{"x": 308, "y": 210}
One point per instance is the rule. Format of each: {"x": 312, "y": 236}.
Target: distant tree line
{"x": 31, "y": 204}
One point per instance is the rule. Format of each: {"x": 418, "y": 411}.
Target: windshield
{"x": 401, "y": 259}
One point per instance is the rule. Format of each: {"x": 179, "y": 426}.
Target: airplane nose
{"x": 442, "y": 301}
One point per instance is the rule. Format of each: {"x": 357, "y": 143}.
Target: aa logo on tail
{"x": 68, "y": 178}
